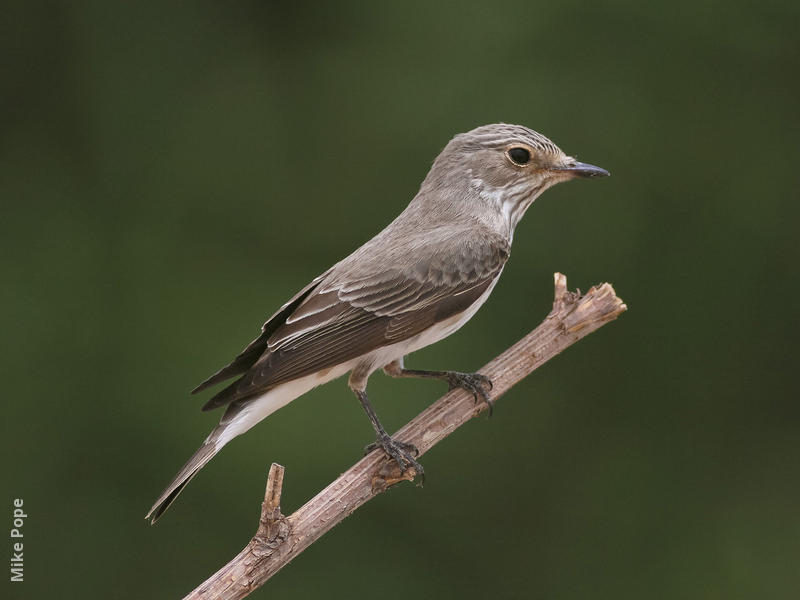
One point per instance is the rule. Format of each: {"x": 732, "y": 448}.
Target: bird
{"x": 417, "y": 281}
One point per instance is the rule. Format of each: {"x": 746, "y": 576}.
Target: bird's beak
{"x": 579, "y": 169}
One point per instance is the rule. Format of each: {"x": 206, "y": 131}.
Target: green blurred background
{"x": 171, "y": 174}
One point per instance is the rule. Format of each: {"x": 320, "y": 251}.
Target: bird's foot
{"x": 401, "y": 452}
{"x": 476, "y": 384}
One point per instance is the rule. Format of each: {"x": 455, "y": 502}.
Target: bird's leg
{"x": 476, "y": 384}
{"x": 402, "y": 452}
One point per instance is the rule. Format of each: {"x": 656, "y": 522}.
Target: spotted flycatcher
{"x": 414, "y": 283}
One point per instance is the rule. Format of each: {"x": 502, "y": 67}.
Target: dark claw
{"x": 400, "y": 452}
{"x": 490, "y": 404}
{"x": 475, "y": 383}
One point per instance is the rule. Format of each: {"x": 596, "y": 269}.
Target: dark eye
{"x": 519, "y": 156}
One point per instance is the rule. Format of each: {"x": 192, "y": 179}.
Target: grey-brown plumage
{"x": 417, "y": 281}
{"x": 348, "y": 314}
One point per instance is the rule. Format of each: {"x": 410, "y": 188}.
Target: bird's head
{"x": 505, "y": 167}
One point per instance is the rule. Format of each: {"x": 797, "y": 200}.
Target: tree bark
{"x": 279, "y": 539}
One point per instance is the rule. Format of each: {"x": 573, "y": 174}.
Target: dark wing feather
{"x": 340, "y": 321}
{"x": 250, "y": 355}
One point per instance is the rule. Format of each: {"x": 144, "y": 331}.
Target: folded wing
{"x": 345, "y": 314}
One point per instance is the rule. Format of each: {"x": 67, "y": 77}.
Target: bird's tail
{"x": 238, "y": 418}
{"x": 198, "y": 460}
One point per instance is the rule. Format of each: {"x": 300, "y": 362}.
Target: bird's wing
{"x": 248, "y": 357}
{"x": 347, "y": 316}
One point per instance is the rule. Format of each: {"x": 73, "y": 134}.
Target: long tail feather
{"x": 239, "y": 417}
{"x": 198, "y": 460}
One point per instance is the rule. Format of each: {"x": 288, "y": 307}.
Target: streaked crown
{"x": 501, "y": 135}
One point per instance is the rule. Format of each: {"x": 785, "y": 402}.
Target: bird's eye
{"x": 519, "y": 156}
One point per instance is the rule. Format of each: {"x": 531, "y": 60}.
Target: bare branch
{"x": 271, "y": 517}
{"x": 279, "y": 539}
